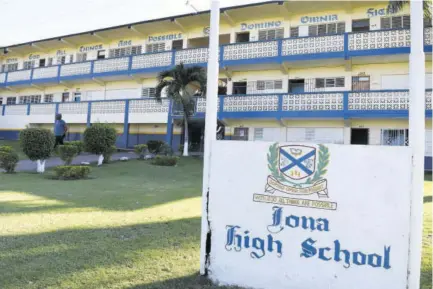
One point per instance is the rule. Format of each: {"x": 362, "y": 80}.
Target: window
{"x": 42, "y": 62}
{"x": 50, "y": 61}
{"x": 329, "y": 82}
{"x": 240, "y": 87}
{"x": 2, "y": 68}
{"x": 61, "y": 60}
{"x": 148, "y": 92}
{"x": 1, "y": 100}
{"x": 81, "y": 57}
{"x": 125, "y": 51}
{"x": 258, "y": 133}
{"x": 394, "y": 137}
{"x": 294, "y": 32}
{"x": 65, "y": 97}
{"x": 427, "y": 22}
{"x": 77, "y": 96}
{"x": 101, "y": 54}
{"x": 156, "y": 47}
{"x": 30, "y": 99}
{"x": 361, "y": 25}
{"x": 360, "y": 83}
{"x": 268, "y": 85}
{"x": 11, "y": 100}
{"x": 271, "y": 34}
{"x": 177, "y": 45}
{"x": 12, "y": 67}
{"x": 327, "y": 29}
{"x": 242, "y": 37}
{"x": 71, "y": 58}
{"x": 48, "y": 98}
{"x": 395, "y": 22}
{"x": 28, "y": 64}
{"x": 240, "y": 133}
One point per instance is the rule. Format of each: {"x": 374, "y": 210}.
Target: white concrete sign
{"x": 306, "y": 216}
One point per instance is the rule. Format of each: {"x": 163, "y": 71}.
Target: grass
{"x": 134, "y": 226}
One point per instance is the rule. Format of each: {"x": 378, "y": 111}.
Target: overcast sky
{"x": 27, "y": 20}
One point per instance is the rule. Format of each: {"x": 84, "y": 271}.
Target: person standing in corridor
{"x": 60, "y": 129}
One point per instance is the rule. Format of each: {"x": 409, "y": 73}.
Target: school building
{"x": 296, "y": 71}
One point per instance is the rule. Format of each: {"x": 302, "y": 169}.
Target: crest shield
{"x": 297, "y": 162}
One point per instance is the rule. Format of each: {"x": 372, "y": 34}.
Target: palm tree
{"x": 180, "y": 84}
{"x": 395, "y": 5}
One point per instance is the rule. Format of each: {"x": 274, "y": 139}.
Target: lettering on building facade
{"x": 262, "y": 25}
{"x": 11, "y": 60}
{"x": 319, "y": 19}
{"x": 34, "y": 56}
{"x": 167, "y": 37}
{"x": 372, "y": 12}
{"x": 61, "y": 52}
{"x": 123, "y": 43}
{"x": 91, "y": 48}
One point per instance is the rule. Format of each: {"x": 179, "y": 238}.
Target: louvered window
{"x": 269, "y": 85}
{"x": 148, "y": 92}
{"x": 294, "y": 32}
{"x": 258, "y": 133}
{"x": 11, "y": 100}
{"x": 395, "y": 22}
{"x": 156, "y": 47}
{"x": 48, "y": 98}
{"x": 327, "y": 29}
{"x": 30, "y": 99}
{"x": 124, "y": 51}
{"x": 81, "y": 57}
{"x": 50, "y": 61}
{"x": 271, "y": 34}
{"x": 10, "y": 67}
{"x": 28, "y": 64}
{"x": 329, "y": 82}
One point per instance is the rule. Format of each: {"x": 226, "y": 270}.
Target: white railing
{"x": 313, "y": 102}
{"x": 378, "y": 100}
{"x": 45, "y": 72}
{"x": 310, "y": 45}
{"x": 48, "y": 109}
{"x": 251, "y": 103}
{"x": 76, "y": 69}
{"x": 152, "y": 60}
{"x": 148, "y": 106}
{"x": 190, "y": 56}
{"x": 2, "y": 77}
{"x": 20, "y": 109}
{"x": 428, "y": 36}
{"x": 114, "y": 64}
{"x": 201, "y": 104}
{"x": 19, "y": 75}
{"x": 73, "y": 108}
{"x": 251, "y": 50}
{"x": 379, "y": 39}
{"x": 108, "y": 107}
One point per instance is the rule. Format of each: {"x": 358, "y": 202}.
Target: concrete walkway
{"x": 28, "y": 165}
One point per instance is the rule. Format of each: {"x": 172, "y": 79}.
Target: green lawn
{"x": 133, "y": 226}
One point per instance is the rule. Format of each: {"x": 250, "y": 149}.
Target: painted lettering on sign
{"x": 262, "y": 25}
{"x": 167, "y": 37}
{"x": 34, "y": 56}
{"x": 319, "y": 19}
{"x": 90, "y": 48}
{"x": 123, "y": 43}
{"x": 11, "y": 60}
{"x": 61, "y": 52}
{"x": 372, "y": 12}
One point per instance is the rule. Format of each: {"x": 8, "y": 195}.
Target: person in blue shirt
{"x": 60, "y": 129}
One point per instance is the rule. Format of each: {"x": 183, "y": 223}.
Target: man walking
{"x": 60, "y": 129}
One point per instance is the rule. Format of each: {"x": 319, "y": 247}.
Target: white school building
{"x": 298, "y": 71}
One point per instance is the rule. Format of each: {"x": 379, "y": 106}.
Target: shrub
{"x": 99, "y": 138}
{"x": 79, "y": 144}
{"x": 154, "y": 146}
{"x": 140, "y": 150}
{"x": 165, "y": 149}
{"x": 108, "y": 154}
{"x": 67, "y": 153}
{"x": 165, "y": 161}
{"x": 72, "y": 172}
{"x": 8, "y": 159}
{"x": 37, "y": 143}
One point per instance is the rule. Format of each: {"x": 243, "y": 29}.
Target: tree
{"x": 181, "y": 83}
{"x": 396, "y": 6}
{"x": 38, "y": 145}
{"x": 99, "y": 139}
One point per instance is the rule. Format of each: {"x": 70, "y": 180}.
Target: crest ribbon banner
{"x": 320, "y": 188}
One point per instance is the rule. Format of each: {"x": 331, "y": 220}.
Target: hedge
{"x": 67, "y": 153}
{"x": 165, "y": 161}
{"x": 79, "y": 144}
{"x": 8, "y": 159}
{"x": 37, "y": 143}
{"x": 72, "y": 172}
{"x": 154, "y": 146}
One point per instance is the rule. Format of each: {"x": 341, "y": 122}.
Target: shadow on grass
{"x": 188, "y": 282}
{"x": 120, "y": 186}
{"x": 47, "y": 259}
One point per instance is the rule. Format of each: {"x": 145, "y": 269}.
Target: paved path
{"x": 28, "y": 165}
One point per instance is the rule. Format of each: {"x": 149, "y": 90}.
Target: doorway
{"x": 361, "y": 25}
{"x": 296, "y": 85}
{"x": 65, "y": 97}
{"x": 242, "y": 37}
{"x": 359, "y": 136}
{"x": 177, "y": 44}
{"x": 240, "y": 87}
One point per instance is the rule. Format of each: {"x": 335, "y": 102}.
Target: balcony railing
{"x": 299, "y": 48}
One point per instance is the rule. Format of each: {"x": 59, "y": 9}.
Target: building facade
{"x": 329, "y": 72}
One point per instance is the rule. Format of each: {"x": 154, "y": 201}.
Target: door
{"x": 296, "y": 85}
{"x": 360, "y": 83}
{"x": 42, "y": 62}
{"x": 65, "y": 97}
{"x": 177, "y": 45}
{"x": 359, "y": 136}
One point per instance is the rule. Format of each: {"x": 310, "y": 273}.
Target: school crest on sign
{"x": 298, "y": 170}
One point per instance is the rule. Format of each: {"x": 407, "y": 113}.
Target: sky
{"x": 29, "y": 20}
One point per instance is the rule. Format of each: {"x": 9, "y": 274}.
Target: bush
{"x": 8, "y": 159}
{"x": 165, "y": 149}
{"x": 154, "y": 146}
{"x": 79, "y": 144}
{"x": 72, "y": 172}
{"x": 165, "y": 161}
{"x": 99, "y": 138}
{"x": 37, "y": 143}
{"x": 67, "y": 153}
{"x": 140, "y": 150}
{"x": 108, "y": 154}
